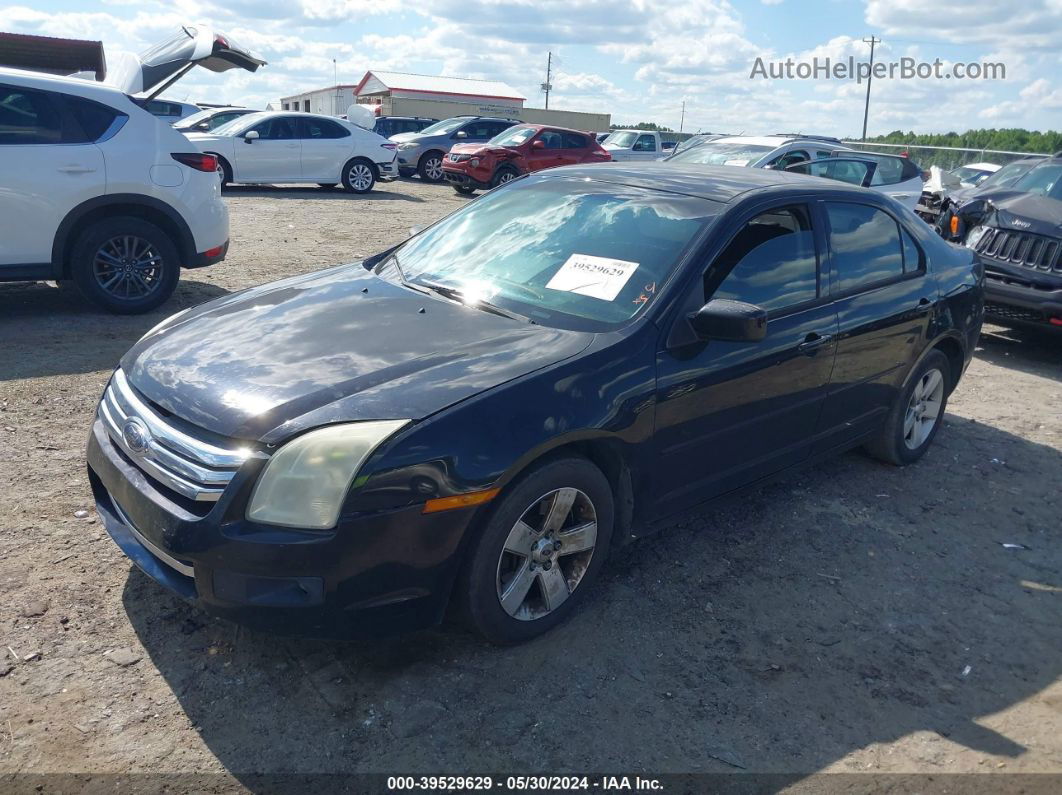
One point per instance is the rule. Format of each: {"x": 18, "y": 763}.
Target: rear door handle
{"x": 75, "y": 169}
{"x": 812, "y": 342}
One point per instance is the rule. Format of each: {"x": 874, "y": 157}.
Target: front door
{"x": 729, "y": 413}
{"x": 884, "y": 298}
{"x": 273, "y": 156}
{"x": 546, "y": 150}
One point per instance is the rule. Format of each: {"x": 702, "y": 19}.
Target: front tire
{"x": 359, "y": 176}
{"x": 430, "y": 167}
{"x": 125, "y": 265}
{"x": 464, "y": 190}
{"x": 503, "y": 175}
{"x": 540, "y": 552}
{"x": 916, "y": 415}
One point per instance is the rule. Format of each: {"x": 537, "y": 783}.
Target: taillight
{"x": 392, "y": 147}
{"x": 199, "y": 162}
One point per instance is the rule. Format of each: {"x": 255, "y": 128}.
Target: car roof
{"x": 715, "y": 183}
{"x": 75, "y": 85}
{"x": 774, "y": 141}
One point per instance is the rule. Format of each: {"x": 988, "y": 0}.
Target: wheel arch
{"x": 951, "y": 345}
{"x": 119, "y": 204}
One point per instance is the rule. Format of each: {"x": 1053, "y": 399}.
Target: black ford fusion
{"x": 473, "y": 418}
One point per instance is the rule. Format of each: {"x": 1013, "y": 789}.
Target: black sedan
{"x": 474, "y": 418}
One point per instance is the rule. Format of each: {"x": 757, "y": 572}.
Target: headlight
{"x": 407, "y": 145}
{"x": 161, "y": 325}
{"x": 306, "y": 481}
{"x": 475, "y": 162}
{"x": 975, "y": 235}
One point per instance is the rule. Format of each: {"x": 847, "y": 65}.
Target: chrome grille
{"x": 192, "y": 467}
{"x": 1022, "y": 248}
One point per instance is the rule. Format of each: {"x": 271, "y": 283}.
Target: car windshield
{"x": 1006, "y": 175}
{"x": 191, "y": 121}
{"x": 967, "y": 174}
{"x": 444, "y": 126}
{"x": 514, "y": 136}
{"x": 1044, "y": 180}
{"x": 624, "y": 139}
{"x": 715, "y": 153}
{"x": 238, "y": 125}
{"x": 562, "y": 252}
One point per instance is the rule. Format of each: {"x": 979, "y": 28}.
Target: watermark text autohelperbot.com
{"x": 905, "y": 68}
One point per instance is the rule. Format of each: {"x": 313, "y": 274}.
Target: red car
{"x": 519, "y": 150}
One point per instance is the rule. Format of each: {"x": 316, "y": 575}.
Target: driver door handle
{"x": 812, "y": 342}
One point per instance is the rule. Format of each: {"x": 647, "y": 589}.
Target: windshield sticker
{"x": 595, "y": 277}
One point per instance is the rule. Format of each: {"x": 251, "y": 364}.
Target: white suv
{"x": 97, "y": 191}
{"x": 272, "y": 147}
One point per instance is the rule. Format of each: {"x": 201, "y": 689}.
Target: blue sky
{"x": 627, "y": 58}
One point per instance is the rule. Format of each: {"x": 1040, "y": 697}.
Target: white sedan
{"x": 274, "y": 147}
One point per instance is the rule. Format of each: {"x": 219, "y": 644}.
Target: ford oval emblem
{"x": 136, "y": 435}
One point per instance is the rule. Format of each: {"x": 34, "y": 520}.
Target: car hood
{"x": 334, "y": 346}
{"x": 1024, "y": 212}
{"x": 152, "y": 71}
{"x": 480, "y": 149}
{"x": 401, "y": 138}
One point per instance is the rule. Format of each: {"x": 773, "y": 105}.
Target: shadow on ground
{"x": 382, "y": 192}
{"x": 48, "y": 330}
{"x": 1028, "y": 350}
{"x": 843, "y": 606}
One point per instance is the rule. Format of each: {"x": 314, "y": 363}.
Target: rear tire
{"x": 430, "y": 167}
{"x": 360, "y": 175}
{"x": 125, "y": 265}
{"x": 540, "y": 552}
{"x": 917, "y": 414}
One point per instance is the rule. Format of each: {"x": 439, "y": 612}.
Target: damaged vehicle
{"x": 943, "y": 190}
{"x": 569, "y": 361}
{"x": 1017, "y": 234}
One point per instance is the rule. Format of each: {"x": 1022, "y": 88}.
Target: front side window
{"x": 585, "y": 255}
{"x": 771, "y": 262}
{"x": 865, "y": 245}
{"x": 280, "y": 128}
{"x": 28, "y": 117}
{"x": 646, "y": 143}
{"x": 552, "y": 139}
{"x": 791, "y": 157}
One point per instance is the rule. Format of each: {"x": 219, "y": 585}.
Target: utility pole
{"x": 682, "y": 118}
{"x": 547, "y": 86}
{"x": 870, "y": 78}
{"x": 335, "y": 78}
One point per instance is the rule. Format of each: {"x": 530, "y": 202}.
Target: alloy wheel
{"x": 433, "y": 168}
{"x": 505, "y": 176}
{"x": 360, "y": 176}
{"x": 923, "y": 411}
{"x": 127, "y": 267}
{"x": 221, "y": 171}
{"x": 546, "y": 554}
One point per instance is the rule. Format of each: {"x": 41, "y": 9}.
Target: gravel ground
{"x": 849, "y": 617}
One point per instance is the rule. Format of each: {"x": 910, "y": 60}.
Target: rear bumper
{"x": 388, "y": 171}
{"x": 375, "y": 574}
{"x": 1009, "y": 300}
{"x": 209, "y": 257}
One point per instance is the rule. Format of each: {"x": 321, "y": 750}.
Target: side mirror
{"x": 770, "y": 166}
{"x": 460, "y": 134}
{"x": 204, "y": 126}
{"x": 250, "y": 136}
{"x": 733, "y": 321}
{"x": 538, "y": 144}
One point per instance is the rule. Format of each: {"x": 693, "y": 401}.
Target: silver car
{"x": 422, "y": 152}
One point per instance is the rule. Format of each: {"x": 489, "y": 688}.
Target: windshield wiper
{"x": 459, "y": 295}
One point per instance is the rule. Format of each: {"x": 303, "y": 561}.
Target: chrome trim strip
{"x": 169, "y": 560}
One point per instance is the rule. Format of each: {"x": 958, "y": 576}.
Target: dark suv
{"x": 1017, "y": 233}
{"x": 570, "y": 360}
{"x": 394, "y": 125}
{"x": 423, "y": 152}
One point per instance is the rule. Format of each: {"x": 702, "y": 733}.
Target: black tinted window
{"x": 316, "y": 129}
{"x": 92, "y": 119}
{"x": 771, "y": 262}
{"x": 573, "y": 141}
{"x": 552, "y": 139}
{"x": 277, "y": 129}
{"x": 28, "y": 117}
{"x": 791, "y": 157}
{"x": 864, "y": 245}
{"x": 912, "y": 254}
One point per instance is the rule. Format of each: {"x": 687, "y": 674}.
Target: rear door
{"x": 48, "y": 165}
{"x": 326, "y": 146}
{"x": 884, "y": 298}
{"x": 729, "y": 413}
{"x": 274, "y": 156}
{"x": 575, "y": 149}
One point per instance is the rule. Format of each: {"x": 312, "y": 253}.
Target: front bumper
{"x": 462, "y": 179}
{"x": 1015, "y": 300}
{"x": 377, "y": 573}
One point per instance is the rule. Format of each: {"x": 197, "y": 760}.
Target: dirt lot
{"x": 851, "y": 617}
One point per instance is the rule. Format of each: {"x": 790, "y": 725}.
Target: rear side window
{"x": 318, "y": 129}
{"x": 865, "y": 245}
{"x": 92, "y": 119}
{"x": 29, "y": 117}
{"x": 771, "y": 262}
{"x": 573, "y": 141}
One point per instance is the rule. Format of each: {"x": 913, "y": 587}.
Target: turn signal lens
{"x": 460, "y": 501}
{"x": 955, "y": 226}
